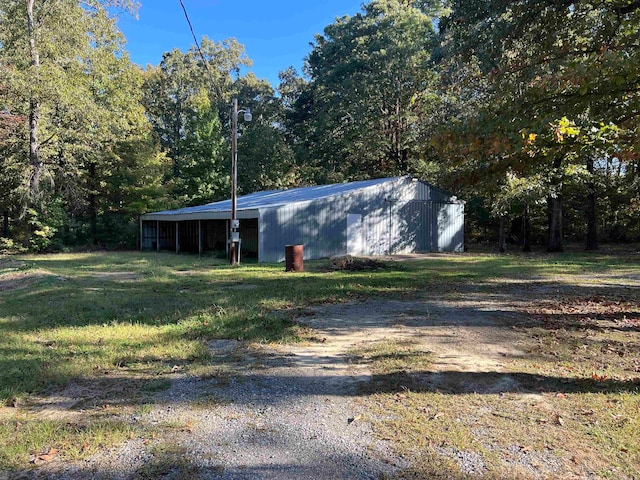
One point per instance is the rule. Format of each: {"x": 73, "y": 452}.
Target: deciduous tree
{"x": 370, "y": 92}
{"x": 545, "y": 61}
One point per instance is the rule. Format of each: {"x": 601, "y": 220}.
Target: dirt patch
{"x": 19, "y": 279}
{"x": 462, "y": 338}
{"x": 223, "y": 346}
{"x": 10, "y": 263}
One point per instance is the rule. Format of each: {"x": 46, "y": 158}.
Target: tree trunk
{"x": 554, "y": 209}
{"x": 526, "y": 229}
{"x": 93, "y": 215}
{"x": 34, "y": 122}
{"x": 592, "y": 228}
{"x": 34, "y": 108}
{"x": 5, "y": 224}
{"x": 554, "y": 212}
{"x": 398, "y": 144}
{"x": 501, "y": 236}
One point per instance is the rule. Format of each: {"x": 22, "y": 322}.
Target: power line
{"x": 195, "y": 39}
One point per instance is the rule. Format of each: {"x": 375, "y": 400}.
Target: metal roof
{"x": 273, "y": 198}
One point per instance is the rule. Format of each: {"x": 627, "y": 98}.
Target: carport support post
{"x": 141, "y": 233}
{"x": 200, "y": 237}
{"x": 177, "y": 237}
{"x": 157, "y": 235}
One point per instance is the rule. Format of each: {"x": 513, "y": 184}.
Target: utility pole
{"x": 234, "y": 232}
{"x": 234, "y": 178}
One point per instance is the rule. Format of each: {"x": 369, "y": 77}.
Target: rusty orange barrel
{"x": 294, "y": 258}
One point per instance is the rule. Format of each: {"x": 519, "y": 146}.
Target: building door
{"x": 354, "y": 234}
{"x": 450, "y": 227}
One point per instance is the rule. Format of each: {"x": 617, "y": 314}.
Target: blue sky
{"x": 276, "y": 34}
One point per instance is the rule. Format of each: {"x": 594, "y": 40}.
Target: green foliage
{"x": 91, "y": 128}
{"x": 43, "y": 226}
{"x": 188, "y": 108}
{"x": 9, "y": 245}
{"x": 516, "y": 189}
{"x": 541, "y": 89}
{"x": 365, "y": 110}
{"x": 516, "y": 106}
{"x": 37, "y": 229}
{"x": 12, "y": 136}
{"x": 182, "y": 104}
{"x": 266, "y": 159}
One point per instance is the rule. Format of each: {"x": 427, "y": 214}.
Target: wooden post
{"x": 157, "y": 235}
{"x": 200, "y": 249}
{"x": 141, "y": 234}
{"x": 177, "y": 237}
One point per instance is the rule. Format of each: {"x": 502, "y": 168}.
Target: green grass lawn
{"x": 69, "y": 317}
{"x": 125, "y": 321}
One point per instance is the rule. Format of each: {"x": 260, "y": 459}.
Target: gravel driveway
{"x": 293, "y": 412}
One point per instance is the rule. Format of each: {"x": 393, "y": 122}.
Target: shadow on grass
{"x": 270, "y": 390}
{"x": 185, "y": 297}
{"x": 85, "y": 299}
{"x": 173, "y": 462}
{"x": 32, "y": 367}
{"x": 596, "y": 322}
{"x": 197, "y": 301}
{"x": 455, "y": 383}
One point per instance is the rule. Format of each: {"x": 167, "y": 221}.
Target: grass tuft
{"x": 23, "y": 437}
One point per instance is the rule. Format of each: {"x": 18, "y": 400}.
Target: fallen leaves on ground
{"x": 46, "y": 457}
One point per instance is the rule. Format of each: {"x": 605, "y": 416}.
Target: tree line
{"x": 528, "y": 109}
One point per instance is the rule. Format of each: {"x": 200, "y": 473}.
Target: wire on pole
{"x": 195, "y": 39}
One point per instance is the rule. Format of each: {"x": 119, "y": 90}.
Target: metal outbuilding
{"x": 371, "y": 217}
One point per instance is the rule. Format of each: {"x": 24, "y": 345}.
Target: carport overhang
{"x": 181, "y": 217}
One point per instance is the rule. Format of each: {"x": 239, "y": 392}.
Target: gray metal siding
{"x": 415, "y": 221}
{"x": 393, "y": 215}
{"x": 448, "y": 227}
{"x": 425, "y": 191}
{"x": 402, "y": 216}
{"x": 321, "y": 225}
{"x": 316, "y": 225}
{"x": 426, "y": 226}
